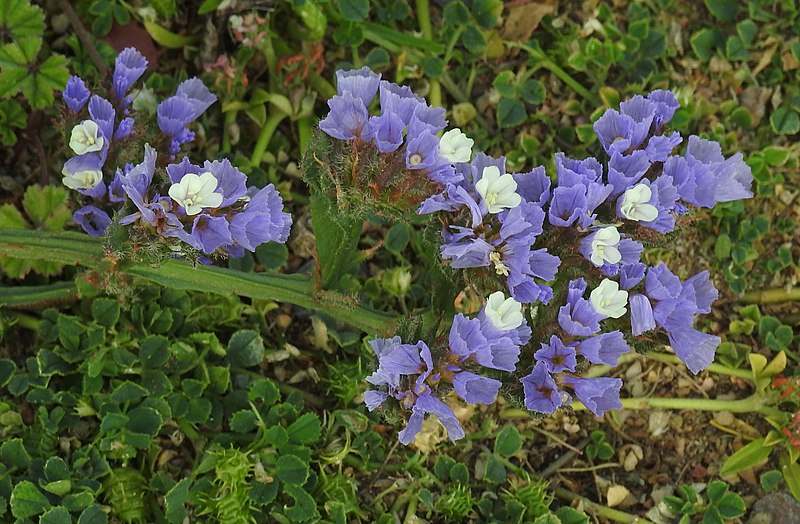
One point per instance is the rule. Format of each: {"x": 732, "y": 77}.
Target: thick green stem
{"x": 230, "y": 119}
{"x": 305, "y": 130}
{"x": 545, "y": 62}
{"x": 769, "y": 296}
{"x": 599, "y": 371}
{"x": 35, "y": 297}
{"x": 751, "y": 404}
{"x": 275, "y": 117}
{"x": 424, "y": 17}
{"x": 301, "y": 290}
{"x": 604, "y": 511}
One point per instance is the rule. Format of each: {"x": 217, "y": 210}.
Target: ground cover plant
{"x": 365, "y": 261}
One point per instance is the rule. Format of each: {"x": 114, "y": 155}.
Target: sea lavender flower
{"x": 455, "y": 146}
{"x": 128, "y": 68}
{"x": 557, "y": 356}
{"x": 608, "y": 300}
{"x": 195, "y": 193}
{"x": 605, "y": 348}
{"x": 86, "y": 137}
{"x": 578, "y": 317}
{"x": 103, "y": 114}
{"x": 348, "y": 118}
{"x": 93, "y": 220}
{"x": 194, "y": 91}
{"x": 597, "y": 394}
{"x": 666, "y": 105}
{"x": 75, "y": 94}
{"x": 541, "y": 392}
{"x": 734, "y": 178}
{"x": 497, "y": 191}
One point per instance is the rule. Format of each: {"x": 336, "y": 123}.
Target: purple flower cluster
{"x": 208, "y": 207}
{"x": 406, "y": 125}
{"x": 409, "y": 374}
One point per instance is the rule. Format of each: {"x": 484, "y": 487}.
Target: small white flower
{"x": 85, "y": 138}
{"x": 635, "y": 204}
{"x": 194, "y": 192}
{"x": 608, "y": 300}
{"x": 498, "y": 191}
{"x": 455, "y": 146}
{"x": 504, "y": 313}
{"x": 604, "y": 246}
{"x": 81, "y": 179}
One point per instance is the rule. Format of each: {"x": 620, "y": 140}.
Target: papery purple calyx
{"x": 174, "y": 114}
{"x": 541, "y": 392}
{"x": 197, "y": 94}
{"x": 666, "y": 105}
{"x": 577, "y": 317}
{"x": 129, "y": 66}
{"x": 103, "y": 114}
{"x": 360, "y": 83}
{"x": 557, "y": 356}
{"x": 476, "y": 389}
{"x": 605, "y": 348}
{"x": 428, "y": 404}
{"x": 75, "y": 94}
{"x": 661, "y": 283}
{"x": 642, "y": 319}
{"x": 348, "y": 118}
{"x": 641, "y": 111}
{"x": 92, "y": 219}
{"x": 597, "y": 394}
{"x": 211, "y": 232}
{"x": 262, "y": 220}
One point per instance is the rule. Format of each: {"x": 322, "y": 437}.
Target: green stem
{"x": 411, "y": 511}
{"x": 35, "y": 297}
{"x": 230, "y": 119}
{"x": 753, "y": 403}
{"x": 301, "y": 290}
{"x": 599, "y": 371}
{"x": 323, "y": 87}
{"x": 604, "y": 511}
{"x": 769, "y": 296}
{"x": 25, "y": 321}
{"x": 545, "y": 62}
{"x": 424, "y": 17}
{"x": 305, "y": 131}
{"x": 460, "y": 97}
{"x": 275, "y": 117}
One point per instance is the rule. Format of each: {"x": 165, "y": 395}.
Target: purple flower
{"x": 541, "y": 392}
{"x": 476, "y": 389}
{"x": 466, "y": 337}
{"x": 533, "y": 186}
{"x": 124, "y": 129}
{"x": 659, "y": 147}
{"x": 567, "y": 205}
{"x": 103, "y": 114}
{"x": 641, "y": 111}
{"x": 128, "y": 68}
{"x": 231, "y": 182}
{"x": 174, "y": 114}
{"x": 572, "y": 172}
{"x": 694, "y": 181}
{"x": 631, "y": 275}
{"x": 211, "y": 232}
{"x": 695, "y": 348}
{"x": 734, "y": 178}
{"x": 398, "y": 100}
{"x": 597, "y": 394}
{"x": 422, "y": 148}
{"x": 360, "y": 83}
{"x": 136, "y": 184}
{"x": 92, "y": 219}
{"x": 428, "y": 404}
{"x": 197, "y": 94}
{"x": 75, "y": 94}
{"x": 603, "y": 349}
{"x": 578, "y": 317}
{"x": 615, "y": 131}
{"x": 556, "y": 356}
{"x": 387, "y": 131}
{"x": 666, "y": 105}
{"x": 463, "y": 249}
{"x": 642, "y": 319}
{"x": 116, "y": 193}
{"x": 661, "y": 283}
{"x": 348, "y": 118}
{"x": 625, "y": 171}
{"x": 700, "y": 291}
{"x": 263, "y": 220}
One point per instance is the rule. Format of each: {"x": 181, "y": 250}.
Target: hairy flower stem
{"x": 604, "y": 511}
{"x": 301, "y": 290}
{"x": 769, "y": 296}
{"x": 275, "y": 117}
{"x": 543, "y": 61}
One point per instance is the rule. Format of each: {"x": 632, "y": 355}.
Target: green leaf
{"x": 14, "y": 455}
{"x": 704, "y": 42}
{"x": 354, "y": 10}
{"x": 144, "y": 420}
{"x": 78, "y": 501}
{"x": 272, "y": 255}
{"x": 747, "y": 457}
{"x": 208, "y": 6}
{"x": 167, "y": 38}
{"x": 506, "y": 84}
{"x": 19, "y": 19}
{"x": 56, "y": 469}
{"x": 770, "y": 480}
{"x": 398, "y": 237}
{"x": 533, "y": 92}
{"x": 456, "y": 13}
{"x": 27, "y": 501}
{"x": 724, "y": 10}
{"x": 128, "y": 392}
{"x": 57, "y": 515}
{"x": 265, "y": 390}
{"x": 105, "y": 311}
{"x": 94, "y": 514}
{"x": 785, "y": 121}
{"x": 459, "y": 473}
{"x": 731, "y": 506}
{"x": 276, "y": 436}
{"x": 473, "y": 39}
{"x": 508, "y": 441}
{"x": 377, "y": 58}
{"x": 349, "y": 34}
{"x": 243, "y": 421}
{"x": 154, "y": 351}
{"x": 47, "y": 206}
{"x": 175, "y": 501}
{"x": 304, "y": 508}
{"x": 736, "y": 50}
{"x": 747, "y": 30}
{"x": 487, "y": 12}
{"x": 11, "y": 218}
{"x": 722, "y": 247}
{"x": 291, "y": 470}
{"x": 58, "y": 487}
{"x": 569, "y": 515}
{"x": 304, "y": 430}
{"x": 510, "y": 113}
{"x": 245, "y": 349}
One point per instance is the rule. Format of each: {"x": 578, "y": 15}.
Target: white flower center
{"x": 608, "y": 300}
{"x": 81, "y": 179}
{"x": 504, "y": 313}
{"x": 195, "y": 192}
{"x": 455, "y": 146}
{"x": 500, "y": 268}
{"x": 635, "y": 204}
{"x": 85, "y": 138}
{"x": 415, "y": 159}
{"x": 498, "y": 191}
{"x": 604, "y": 246}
